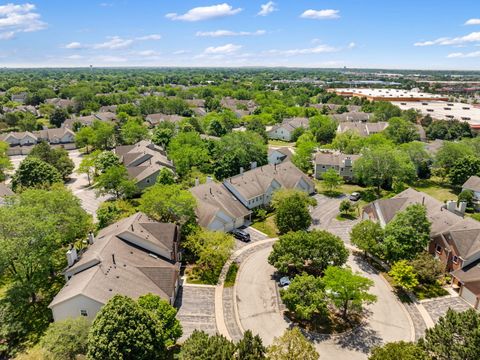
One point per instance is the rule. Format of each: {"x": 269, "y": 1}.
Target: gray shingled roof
{"x": 333, "y": 159}
{"x": 473, "y": 183}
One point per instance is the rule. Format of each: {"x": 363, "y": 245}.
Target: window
{"x": 83, "y": 312}
{"x": 455, "y": 260}
{"x": 438, "y": 249}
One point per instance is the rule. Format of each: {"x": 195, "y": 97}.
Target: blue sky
{"x": 420, "y": 34}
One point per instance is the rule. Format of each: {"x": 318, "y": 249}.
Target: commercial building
{"x": 388, "y": 94}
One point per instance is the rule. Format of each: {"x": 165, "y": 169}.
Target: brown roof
{"x": 333, "y": 159}
{"x": 213, "y": 197}
{"x": 292, "y": 124}
{"x": 158, "y": 118}
{"x": 255, "y": 182}
{"x": 473, "y": 183}
{"x": 363, "y": 129}
{"x": 135, "y": 270}
{"x": 469, "y": 276}
{"x": 353, "y": 116}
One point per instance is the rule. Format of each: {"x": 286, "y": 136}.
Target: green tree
{"x": 58, "y": 117}
{"x": 104, "y": 134}
{"x": 347, "y": 290}
{"x": 449, "y": 154}
{"x": 211, "y": 250}
{"x": 124, "y": 330}
{"x": 291, "y": 210}
{"x": 401, "y": 131}
{"x": 399, "y": 350}
{"x": 454, "y": 337}
{"x": 163, "y": 133}
{"x": 305, "y": 297}
{"x": 466, "y": 196}
{"x": 169, "y": 203}
{"x": 250, "y": 347}
{"x": 323, "y": 128}
{"x": 348, "y": 142}
{"x": 463, "y": 168}
{"x": 306, "y": 145}
{"x": 404, "y": 275}
{"x": 110, "y": 212}
{"x": 292, "y": 345}
{"x": 311, "y": 252}
{"x": 384, "y": 111}
{"x": 367, "y": 236}
{"x": 66, "y": 339}
{"x": 5, "y": 163}
{"x": 419, "y": 156}
{"x": 87, "y": 166}
{"x": 58, "y": 158}
{"x": 188, "y": 150}
{"x": 34, "y": 172}
{"x": 165, "y": 177}
{"x": 382, "y": 165}
{"x": 165, "y": 316}
{"x": 256, "y": 125}
{"x": 114, "y": 181}
{"x": 201, "y": 346}
{"x": 133, "y": 131}
{"x": 332, "y": 180}
{"x": 345, "y": 207}
{"x": 427, "y": 268}
{"x": 238, "y": 149}
{"x": 85, "y": 137}
{"x": 104, "y": 160}
{"x": 407, "y": 234}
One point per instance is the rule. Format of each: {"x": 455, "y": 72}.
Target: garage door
{"x": 468, "y": 296}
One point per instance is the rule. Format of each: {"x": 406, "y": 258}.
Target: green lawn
{"x": 231, "y": 275}
{"x": 266, "y": 226}
{"x": 280, "y": 143}
{"x": 435, "y": 188}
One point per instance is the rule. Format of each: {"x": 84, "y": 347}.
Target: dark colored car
{"x": 241, "y": 235}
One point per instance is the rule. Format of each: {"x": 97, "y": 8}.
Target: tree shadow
{"x": 364, "y": 265}
{"x": 361, "y": 339}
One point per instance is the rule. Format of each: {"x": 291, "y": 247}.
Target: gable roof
{"x": 363, "y": 129}
{"x": 112, "y": 265}
{"x": 213, "y": 197}
{"x": 473, "y": 183}
{"x": 291, "y": 124}
{"x": 333, "y": 158}
{"x": 256, "y": 182}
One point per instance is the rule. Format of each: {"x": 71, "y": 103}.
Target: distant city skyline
{"x": 424, "y": 35}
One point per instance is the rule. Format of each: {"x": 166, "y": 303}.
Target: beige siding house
{"x": 341, "y": 163}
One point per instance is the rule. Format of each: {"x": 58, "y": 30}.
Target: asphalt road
{"x": 259, "y": 311}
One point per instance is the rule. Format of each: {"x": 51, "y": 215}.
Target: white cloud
{"x": 114, "y": 43}
{"x": 306, "y": 51}
{"x": 267, "y": 8}
{"x": 147, "y": 53}
{"x": 74, "y": 45}
{"x": 474, "y": 54}
{"x": 472, "y": 22}
{"x": 320, "y": 14}
{"x": 205, "y": 13}
{"x": 222, "y": 50}
{"x": 181, "y": 52}
{"x": 352, "y": 45}
{"x": 221, "y": 33}
{"x": 16, "y": 18}
{"x": 472, "y": 37}
{"x": 104, "y": 4}
{"x": 75, "y": 57}
{"x": 111, "y": 59}
{"x": 149, "y": 37}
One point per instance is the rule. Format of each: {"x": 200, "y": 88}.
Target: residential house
{"x": 61, "y": 103}
{"x": 108, "y": 108}
{"x": 361, "y": 128}
{"x": 21, "y": 143}
{"x": 351, "y": 116}
{"x": 284, "y": 131}
{"x": 254, "y": 188}
{"x": 279, "y": 155}
{"x": 133, "y": 257}
{"x": 155, "y": 119}
{"x": 454, "y": 239}
{"x": 341, "y": 163}
{"x": 217, "y": 208}
{"x": 89, "y": 119}
{"x": 434, "y": 146}
{"x": 143, "y": 161}
{"x": 4, "y": 192}
{"x": 473, "y": 184}
{"x": 19, "y": 98}
{"x": 241, "y": 108}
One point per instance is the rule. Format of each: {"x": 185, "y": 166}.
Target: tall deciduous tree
{"x": 407, "y": 234}
{"x": 404, "y": 275}
{"x": 367, "y": 236}
{"x": 332, "y": 180}
{"x": 124, "y": 330}
{"x": 291, "y": 210}
{"x": 58, "y": 158}
{"x": 201, "y": 346}
{"x": 114, "y": 181}
{"x": 463, "y": 168}
{"x": 34, "y": 172}
{"x": 250, "y": 347}
{"x": 5, "y": 163}
{"x": 292, "y": 345}
{"x": 188, "y": 150}
{"x": 311, "y": 252}
{"x": 347, "y": 290}
{"x": 133, "y": 131}
{"x": 401, "y": 130}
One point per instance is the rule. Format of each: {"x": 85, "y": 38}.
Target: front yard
{"x": 267, "y": 226}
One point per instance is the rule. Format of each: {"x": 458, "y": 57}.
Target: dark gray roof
{"x": 473, "y": 183}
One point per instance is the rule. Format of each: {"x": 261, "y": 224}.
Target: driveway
{"x": 324, "y": 217}
{"x": 259, "y": 310}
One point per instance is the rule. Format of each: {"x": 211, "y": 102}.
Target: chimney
{"x": 209, "y": 179}
{"x": 91, "y": 238}
{"x": 72, "y": 256}
{"x": 348, "y": 161}
{"x": 462, "y": 207}
{"x": 131, "y": 227}
{"x": 451, "y": 206}
{"x": 113, "y": 259}
{"x": 275, "y": 167}
{"x": 197, "y": 181}
{"x": 253, "y": 165}
{"x": 241, "y": 170}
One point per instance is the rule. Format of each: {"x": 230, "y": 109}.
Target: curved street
{"x": 259, "y": 310}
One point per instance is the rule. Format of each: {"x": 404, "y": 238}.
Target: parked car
{"x": 355, "y": 196}
{"x": 284, "y": 282}
{"x": 241, "y": 235}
